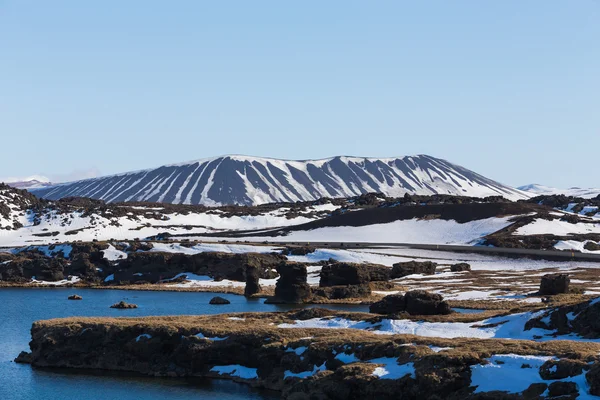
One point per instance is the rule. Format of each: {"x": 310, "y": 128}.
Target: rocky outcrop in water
{"x": 252, "y": 281}
{"x": 218, "y": 300}
{"x": 122, "y": 305}
{"x": 291, "y": 287}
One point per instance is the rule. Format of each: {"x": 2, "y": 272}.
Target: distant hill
{"x": 29, "y": 183}
{"x": 246, "y": 180}
{"x": 536, "y": 190}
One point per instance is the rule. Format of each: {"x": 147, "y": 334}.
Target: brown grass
{"x": 261, "y": 324}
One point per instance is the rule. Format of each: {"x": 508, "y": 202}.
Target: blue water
{"x": 468, "y": 310}
{"x": 19, "y": 308}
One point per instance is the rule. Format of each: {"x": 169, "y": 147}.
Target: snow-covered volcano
{"x": 246, "y": 180}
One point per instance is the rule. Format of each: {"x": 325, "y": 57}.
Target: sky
{"x": 509, "y": 89}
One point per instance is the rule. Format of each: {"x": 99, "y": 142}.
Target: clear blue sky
{"x": 508, "y": 88}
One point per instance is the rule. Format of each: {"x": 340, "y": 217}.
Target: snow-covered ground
{"x": 576, "y": 246}
{"x": 537, "y": 190}
{"x": 435, "y": 231}
{"x": 57, "y": 228}
{"x": 557, "y": 227}
{"x": 506, "y": 372}
{"x": 212, "y": 247}
{"x": 502, "y": 327}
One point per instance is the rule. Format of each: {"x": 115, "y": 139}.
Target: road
{"x": 554, "y": 255}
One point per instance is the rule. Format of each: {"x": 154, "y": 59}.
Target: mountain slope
{"x": 536, "y": 189}
{"x": 251, "y": 180}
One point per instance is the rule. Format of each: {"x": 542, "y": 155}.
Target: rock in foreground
{"x": 75, "y": 297}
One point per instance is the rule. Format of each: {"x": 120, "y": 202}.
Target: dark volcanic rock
{"x": 219, "y": 300}
{"x": 29, "y": 264}
{"x": 339, "y": 274}
{"x": 343, "y": 292}
{"x": 155, "y": 266}
{"x": 291, "y": 287}
{"x": 593, "y": 379}
{"x": 23, "y": 358}
{"x": 591, "y": 246}
{"x": 413, "y": 267}
{"x": 74, "y": 297}
{"x": 182, "y": 347}
{"x": 83, "y": 266}
{"x": 415, "y": 302}
{"x": 582, "y": 319}
{"x": 252, "y": 281}
{"x": 394, "y": 303}
{"x": 420, "y": 302}
{"x": 562, "y": 390}
{"x": 460, "y": 267}
{"x": 4, "y": 257}
{"x": 554, "y": 284}
{"x": 123, "y": 305}
{"x": 561, "y": 369}
{"x": 535, "y": 390}
{"x": 298, "y": 250}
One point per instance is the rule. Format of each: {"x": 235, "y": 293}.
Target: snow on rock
{"x": 236, "y": 370}
{"x": 505, "y": 373}
{"x": 502, "y": 327}
{"x": 391, "y": 369}
{"x": 71, "y": 280}
{"x": 112, "y": 254}
{"x": 298, "y": 350}
{"x": 144, "y": 336}
{"x": 514, "y": 373}
{"x": 214, "y": 339}
{"x": 48, "y": 251}
{"x": 304, "y": 374}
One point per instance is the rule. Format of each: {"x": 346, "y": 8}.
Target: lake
{"x": 20, "y": 307}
